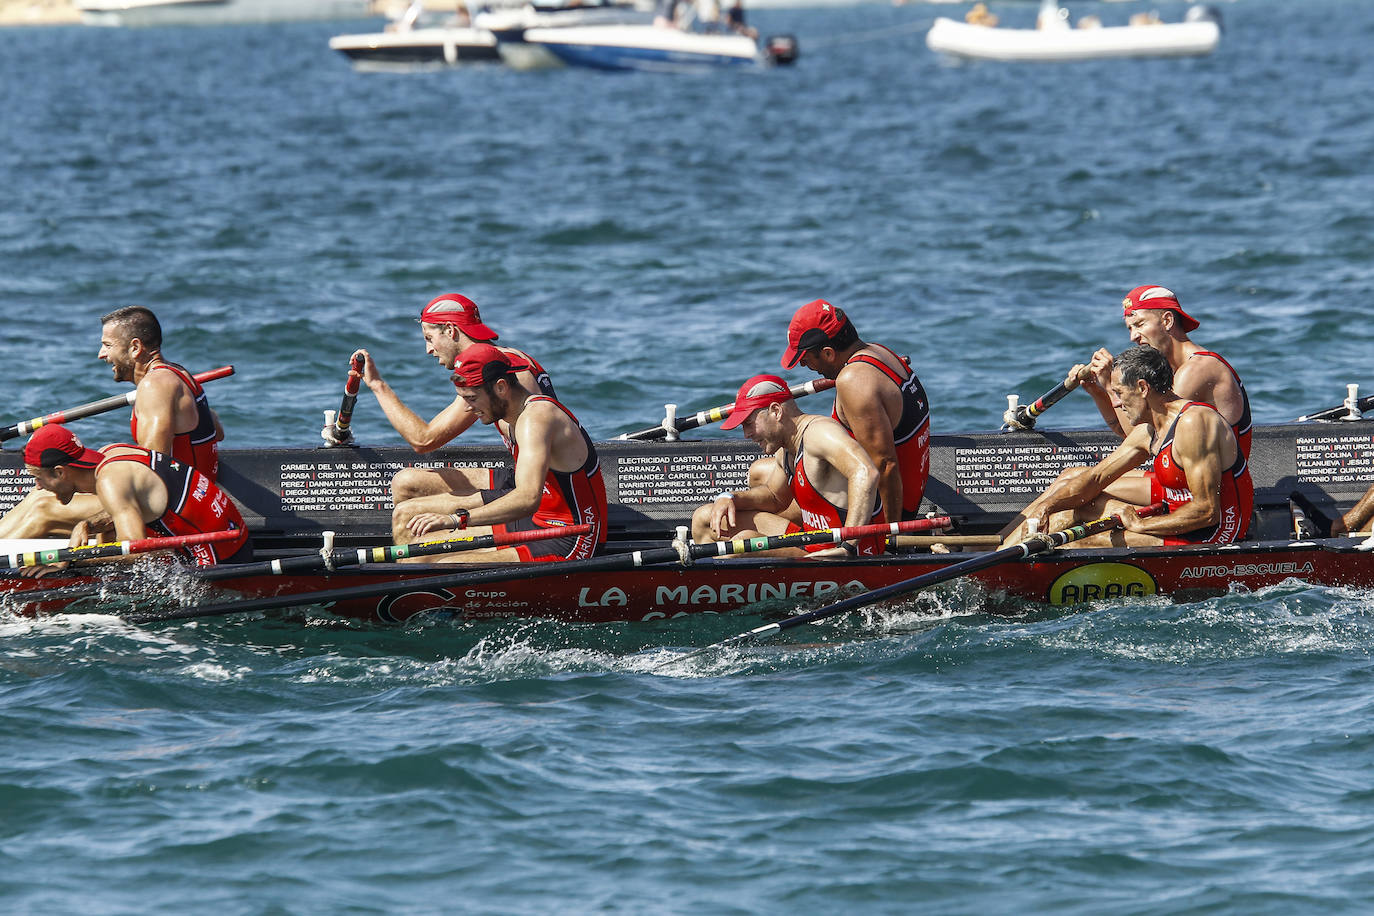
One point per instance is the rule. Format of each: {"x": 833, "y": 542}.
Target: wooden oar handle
{"x": 119, "y": 549}
{"x": 213, "y": 374}
{"x": 344, "y": 419}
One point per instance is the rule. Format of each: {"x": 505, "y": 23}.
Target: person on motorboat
{"x": 557, "y": 480}
{"x": 1198, "y": 469}
{"x": 450, "y": 324}
{"x": 979, "y": 15}
{"x": 878, "y": 399}
{"x": 140, "y": 493}
{"x": 1154, "y": 318}
{"x": 171, "y": 415}
{"x": 735, "y": 22}
{"x": 812, "y": 462}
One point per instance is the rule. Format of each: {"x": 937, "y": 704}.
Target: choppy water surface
{"x": 647, "y": 238}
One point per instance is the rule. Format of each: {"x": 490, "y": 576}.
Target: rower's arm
{"x": 155, "y": 409}
{"x": 828, "y": 442}
{"x": 863, "y": 411}
{"x": 1095, "y": 382}
{"x": 423, "y": 436}
{"x": 1357, "y": 518}
{"x": 770, "y": 494}
{"x": 1078, "y": 490}
{"x": 535, "y": 432}
{"x": 1200, "y": 441}
{"x": 117, "y": 488}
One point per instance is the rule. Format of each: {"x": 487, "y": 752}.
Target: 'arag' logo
{"x": 1098, "y": 581}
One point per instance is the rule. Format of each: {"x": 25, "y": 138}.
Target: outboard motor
{"x": 780, "y": 50}
{"x": 1203, "y": 14}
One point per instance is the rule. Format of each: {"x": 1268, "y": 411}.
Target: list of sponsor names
{"x": 345, "y": 486}
{"x": 14, "y": 483}
{"x": 991, "y": 470}
{"x": 647, "y": 480}
{"x": 1335, "y": 459}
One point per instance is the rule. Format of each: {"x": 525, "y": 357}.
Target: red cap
{"x": 451, "y": 308}
{"x": 813, "y": 325}
{"x": 1157, "y": 297}
{"x": 484, "y": 363}
{"x": 755, "y": 394}
{"x": 55, "y": 445}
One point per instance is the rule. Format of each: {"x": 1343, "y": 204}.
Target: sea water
{"x": 647, "y": 237}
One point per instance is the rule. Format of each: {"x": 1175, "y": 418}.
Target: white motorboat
{"x": 1056, "y": 40}
{"x": 414, "y": 41}
{"x": 659, "y": 49}
{"x": 215, "y": 12}
{"x": 510, "y": 24}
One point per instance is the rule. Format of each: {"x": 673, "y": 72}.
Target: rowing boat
{"x": 291, "y": 497}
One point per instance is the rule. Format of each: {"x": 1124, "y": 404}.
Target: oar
{"x": 94, "y": 407}
{"x": 118, "y": 549}
{"x": 1023, "y": 416}
{"x": 716, "y": 414}
{"x": 542, "y": 570}
{"x": 1349, "y": 410}
{"x": 1037, "y": 543}
{"x": 332, "y": 559}
{"x": 342, "y": 433}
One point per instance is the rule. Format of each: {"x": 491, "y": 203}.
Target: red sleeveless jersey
{"x": 911, "y": 435}
{"x": 570, "y": 497}
{"x": 194, "y": 505}
{"x": 199, "y": 446}
{"x": 819, "y": 513}
{"x": 1243, "y": 426}
{"x": 1169, "y": 483}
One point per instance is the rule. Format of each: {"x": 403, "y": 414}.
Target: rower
{"x": 878, "y": 399}
{"x": 171, "y": 415}
{"x": 140, "y": 493}
{"x": 812, "y": 460}
{"x": 1155, "y": 319}
{"x": 1199, "y": 469}
{"x": 449, "y": 324}
{"x": 557, "y": 479}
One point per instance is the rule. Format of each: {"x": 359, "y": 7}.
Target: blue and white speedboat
{"x": 659, "y": 49}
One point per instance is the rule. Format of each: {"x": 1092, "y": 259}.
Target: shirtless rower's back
{"x": 171, "y": 415}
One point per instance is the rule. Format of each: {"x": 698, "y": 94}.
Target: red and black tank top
{"x": 1243, "y": 426}
{"x": 911, "y": 434}
{"x": 199, "y": 446}
{"x": 1170, "y": 483}
{"x": 194, "y": 505}
{"x": 819, "y": 513}
{"x": 570, "y": 497}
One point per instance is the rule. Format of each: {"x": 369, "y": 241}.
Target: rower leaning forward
{"x": 1197, "y": 467}
{"x": 140, "y": 493}
{"x": 171, "y": 415}
{"x": 449, "y": 324}
{"x": 811, "y": 460}
{"x": 557, "y": 480}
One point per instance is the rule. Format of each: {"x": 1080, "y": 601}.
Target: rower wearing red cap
{"x": 450, "y": 324}
{"x": 144, "y": 494}
{"x": 171, "y": 415}
{"x": 878, "y": 398}
{"x": 1154, "y": 318}
{"x": 812, "y": 460}
{"x": 557, "y": 480}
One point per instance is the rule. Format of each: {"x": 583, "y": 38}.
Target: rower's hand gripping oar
{"x": 1352, "y": 408}
{"x": 119, "y": 549}
{"x": 1037, "y": 543}
{"x": 680, "y": 552}
{"x": 338, "y": 432}
{"x": 1023, "y": 416}
{"x": 104, "y": 405}
{"x": 673, "y": 425}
